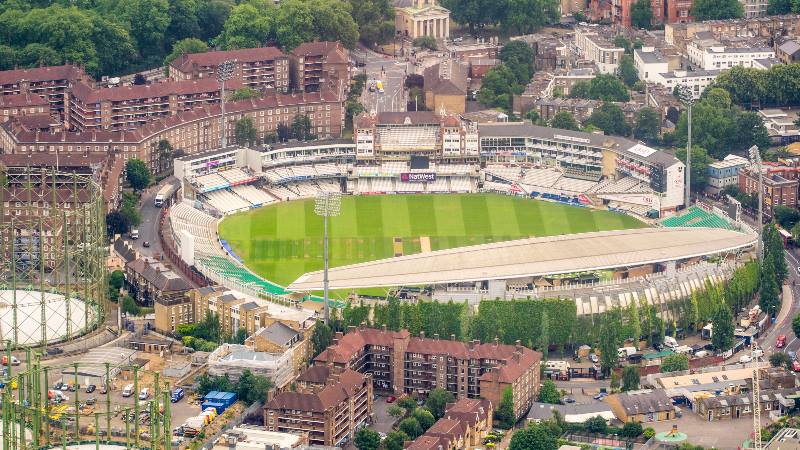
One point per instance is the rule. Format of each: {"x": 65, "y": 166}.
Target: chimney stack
{"x": 436, "y": 336}
{"x": 496, "y": 341}
{"x": 422, "y": 334}
{"x": 518, "y": 345}
{"x": 351, "y": 328}
{"x": 452, "y": 337}
{"x": 383, "y": 327}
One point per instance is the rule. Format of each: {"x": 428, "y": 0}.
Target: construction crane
{"x": 756, "y": 399}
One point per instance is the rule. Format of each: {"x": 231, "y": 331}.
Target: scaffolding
{"x": 34, "y": 417}
{"x": 52, "y": 256}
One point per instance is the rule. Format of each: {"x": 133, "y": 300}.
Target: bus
{"x": 379, "y": 84}
{"x": 162, "y": 195}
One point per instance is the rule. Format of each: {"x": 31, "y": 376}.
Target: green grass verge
{"x": 283, "y": 241}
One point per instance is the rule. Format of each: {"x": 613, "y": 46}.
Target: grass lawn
{"x": 283, "y": 241}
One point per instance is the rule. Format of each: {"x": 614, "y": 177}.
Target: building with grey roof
{"x": 571, "y": 413}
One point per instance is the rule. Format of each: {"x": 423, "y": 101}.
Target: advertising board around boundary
{"x": 417, "y": 177}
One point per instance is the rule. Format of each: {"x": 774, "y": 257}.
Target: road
{"x": 148, "y": 229}
{"x": 783, "y": 323}
{"x": 391, "y": 72}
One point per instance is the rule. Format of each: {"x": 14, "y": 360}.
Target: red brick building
{"x": 319, "y": 65}
{"x": 464, "y": 425}
{"x": 403, "y": 364}
{"x": 780, "y": 186}
{"x": 330, "y": 406}
{"x": 263, "y": 69}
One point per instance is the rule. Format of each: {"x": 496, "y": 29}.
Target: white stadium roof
{"x": 532, "y": 257}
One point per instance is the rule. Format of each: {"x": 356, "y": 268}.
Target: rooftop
{"x": 532, "y": 257}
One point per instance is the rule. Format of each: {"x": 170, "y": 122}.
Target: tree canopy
{"x": 367, "y": 439}
{"x": 565, "y": 121}
{"x": 610, "y": 118}
{"x": 722, "y": 335}
{"x": 549, "y": 393}
{"x": 604, "y": 87}
{"x": 437, "y": 400}
{"x": 674, "y": 363}
{"x": 630, "y": 378}
{"x": 716, "y": 9}
{"x": 137, "y": 174}
{"x": 534, "y": 436}
{"x": 642, "y": 14}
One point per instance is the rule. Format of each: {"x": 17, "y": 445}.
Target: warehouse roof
{"x": 532, "y": 257}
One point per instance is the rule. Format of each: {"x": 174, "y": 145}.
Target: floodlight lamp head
{"x": 225, "y": 70}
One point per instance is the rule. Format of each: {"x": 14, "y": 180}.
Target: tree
{"x": 424, "y": 417}
{"x": 244, "y": 93}
{"x": 498, "y": 86}
{"x": 411, "y": 427}
{"x": 321, "y": 337}
{"x": 408, "y": 402}
{"x": 247, "y": 27}
{"x": 137, "y": 174}
{"x": 716, "y": 9}
{"x": 614, "y": 383}
{"x": 213, "y": 14}
{"x": 375, "y": 20}
{"x": 504, "y": 415}
{"x": 164, "y": 152}
{"x": 604, "y": 87}
{"x": 609, "y": 341}
{"x": 630, "y": 378}
{"x": 527, "y": 16}
{"x": 252, "y": 388}
{"x": 396, "y": 411}
{"x": 183, "y": 23}
{"x": 117, "y": 223}
{"x": 769, "y": 293}
{"x": 367, "y": 439}
{"x": 301, "y": 127}
{"x": 147, "y": 21}
{"x": 777, "y": 7}
{"x": 549, "y": 393}
{"x": 626, "y": 71}
{"x": 785, "y": 216}
{"x": 632, "y": 429}
{"x": 648, "y": 124}
{"x": 245, "y": 132}
{"x": 700, "y": 163}
{"x": 333, "y": 21}
{"x": 437, "y": 400}
{"x": 674, "y": 363}
{"x": 518, "y": 56}
{"x": 642, "y": 14}
{"x": 780, "y": 359}
{"x": 722, "y": 336}
{"x": 184, "y": 47}
{"x": 394, "y": 440}
{"x": 565, "y": 121}
{"x": 610, "y": 118}
{"x": 596, "y": 424}
{"x": 533, "y": 437}
{"x": 476, "y": 14}
{"x": 425, "y": 42}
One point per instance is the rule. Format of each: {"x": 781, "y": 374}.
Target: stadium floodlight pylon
{"x": 327, "y": 204}
{"x": 687, "y": 96}
{"x": 755, "y": 158}
{"x": 224, "y": 73}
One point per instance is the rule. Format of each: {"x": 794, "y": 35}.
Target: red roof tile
{"x": 185, "y": 62}
{"x": 87, "y": 95}
{"x": 332, "y": 51}
{"x": 17, "y": 100}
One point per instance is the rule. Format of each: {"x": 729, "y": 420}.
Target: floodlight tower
{"x": 327, "y": 204}
{"x": 687, "y": 96}
{"x": 755, "y": 158}
{"x": 224, "y": 73}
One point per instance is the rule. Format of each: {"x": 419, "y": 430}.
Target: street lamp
{"x": 755, "y": 158}
{"x": 224, "y": 73}
{"x": 327, "y": 204}
{"x": 687, "y": 96}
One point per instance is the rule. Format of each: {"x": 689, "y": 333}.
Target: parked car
{"x": 90, "y": 388}
{"x": 781, "y": 341}
{"x": 594, "y": 358}
{"x": 566, "y": 400}
{"x": 177, "y": 395}
{"x": 58, "y": 385}
{"x": 745, "y": 358}
{"x": 127, "y": 391}
{"x": 144, "y": 393}
{"x": 796, "y": 366}
{"x": 103, "y": 389}
{"x": 600, "y": 396}
{"x": 391, "y": 399}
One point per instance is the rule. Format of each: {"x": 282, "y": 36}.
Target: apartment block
{"x": 53, "y": 83}
{"x": 593, "y": 44}
{"x": 754, "y": 8}
{"x": 708, "y": 53}
{"x": 262, "y": 69}
{"x": 403, "y": 364}
{"x": 330, "y": 412}
{"x": 128, "y": 107}
{"x": 317, "y": 66}
{"x": 193, "y": 132}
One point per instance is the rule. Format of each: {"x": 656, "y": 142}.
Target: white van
{"x": 144, "y": 393}
{"x": 134, "y": 234}
{"x": 670, "y": 342}
{"x": 127, "y": 391}
{"x": 624, "y": 352}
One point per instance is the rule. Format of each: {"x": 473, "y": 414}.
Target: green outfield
{"x": 283, "y": 241}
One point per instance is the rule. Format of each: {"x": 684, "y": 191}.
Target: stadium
{"x": 456, "y": 210}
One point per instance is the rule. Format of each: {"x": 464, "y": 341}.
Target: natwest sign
{"x": 417, "y": 177}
